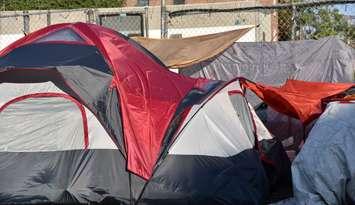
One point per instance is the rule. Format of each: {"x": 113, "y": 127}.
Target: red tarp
{"x": 149, "y": 93}
{"x": 298, "y": 99}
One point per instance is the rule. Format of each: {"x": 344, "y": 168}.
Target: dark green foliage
{"x": 11, "y": 5}
{"x": 326, "y": 21}
{"x": 314, "y": 23}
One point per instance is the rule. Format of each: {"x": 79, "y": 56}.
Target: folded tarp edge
{"x": 183, "y": 52}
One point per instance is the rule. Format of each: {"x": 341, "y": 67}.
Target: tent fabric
{"x": 64, "y": 177}
{"x": 146, "y": 90}
{"x": 182, "y": 52}
{"x": 212, "y": 129}
{"x": 325, "y": 60}
{"x": 210, "y": 155}
{"x": 323, "y": 171}
{"x": 58, "y": 111}
{"x": 299, "y": 99}
{"x": 42, "y": 154}
{"x": 19, "y": 135}
{"x": 136, "y": 105}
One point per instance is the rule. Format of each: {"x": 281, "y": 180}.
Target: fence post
{"x": 163, "y": 22}
{"x": 146, "y": 21}
{"x": 90, "y": 16}
{"x": 294, "y": 21}
{"x": 49, "y": 18}
{"x": 26, "y": 22}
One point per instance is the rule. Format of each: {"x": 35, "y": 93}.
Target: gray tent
{"x": 326, "y": 60}
{"x": 323, "y": 172}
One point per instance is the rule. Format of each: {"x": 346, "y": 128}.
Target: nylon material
{"x": 98, "y": 137}
{"x": 61, "y": 35}
{"x": 126, "y": 61}
{"x": 329, "y": 147}
{"x": 298, "y": 99}
{"x": 208, "y": 180}
{"x": 10, "y": 91}
{"x": 261, "y": 131}
{"x": 41, "y": 124}
{"x": 68, "y": 177}
{"x": 98, "y": 95}
{"x": 195, "y": 108}
{"x": 30, "y": 38}
{"x": 66, "y": 54}
{"x": 242, "y": 110}
{"x": 214, "y": 131}
{"x": 144, "y": 125}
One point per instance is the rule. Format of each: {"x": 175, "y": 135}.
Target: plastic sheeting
{"x": 324, "y": 172}
{"x": 325, "y": 60}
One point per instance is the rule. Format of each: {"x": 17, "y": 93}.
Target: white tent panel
{"x": 215, "y": 130}
{"x": 41, "y": 124}
{"x": 46, "y": 124}
{"x": 10, "y": 91}
{"x": 261, "y": 131}
{"x": 98, "y": 137}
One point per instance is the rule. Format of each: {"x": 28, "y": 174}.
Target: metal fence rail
{"x": 287, "y": 21}
{"x": 278, "y": 22}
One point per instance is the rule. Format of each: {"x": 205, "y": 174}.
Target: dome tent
{"x": 272, "y": 63}
{"x": 87, "y": 115}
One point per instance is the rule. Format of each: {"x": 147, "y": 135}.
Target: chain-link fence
{"x": 15, "y": 24}
{"x": 277, "y": 22}
{"x": 270, "y": 22}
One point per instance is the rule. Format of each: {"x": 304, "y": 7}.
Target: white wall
{"x": 7, "y": 39}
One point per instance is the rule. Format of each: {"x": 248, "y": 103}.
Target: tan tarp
{"x": 182, "y": 52}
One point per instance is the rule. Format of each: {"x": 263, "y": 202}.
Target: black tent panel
{"x": 197, "y": 179}
{"x": 51, "y": 54}
{"x": 73, "y": 176}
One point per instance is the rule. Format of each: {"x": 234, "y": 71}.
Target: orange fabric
{"x": 298, "y": 99}
{"x": 350, "y": 97}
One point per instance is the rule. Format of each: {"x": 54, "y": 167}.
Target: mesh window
{"x": 177, "y": 2}
{"x": 61, "y": 35}
{"x": 242, "y": 110}
{"x": 127, "y": 24}
{"x": 143, "y": 3}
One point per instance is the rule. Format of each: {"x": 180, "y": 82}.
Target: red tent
{"x": 147, "y": 90}
{"x": 298, "y": 99}
{"x": 89, "y": 116}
